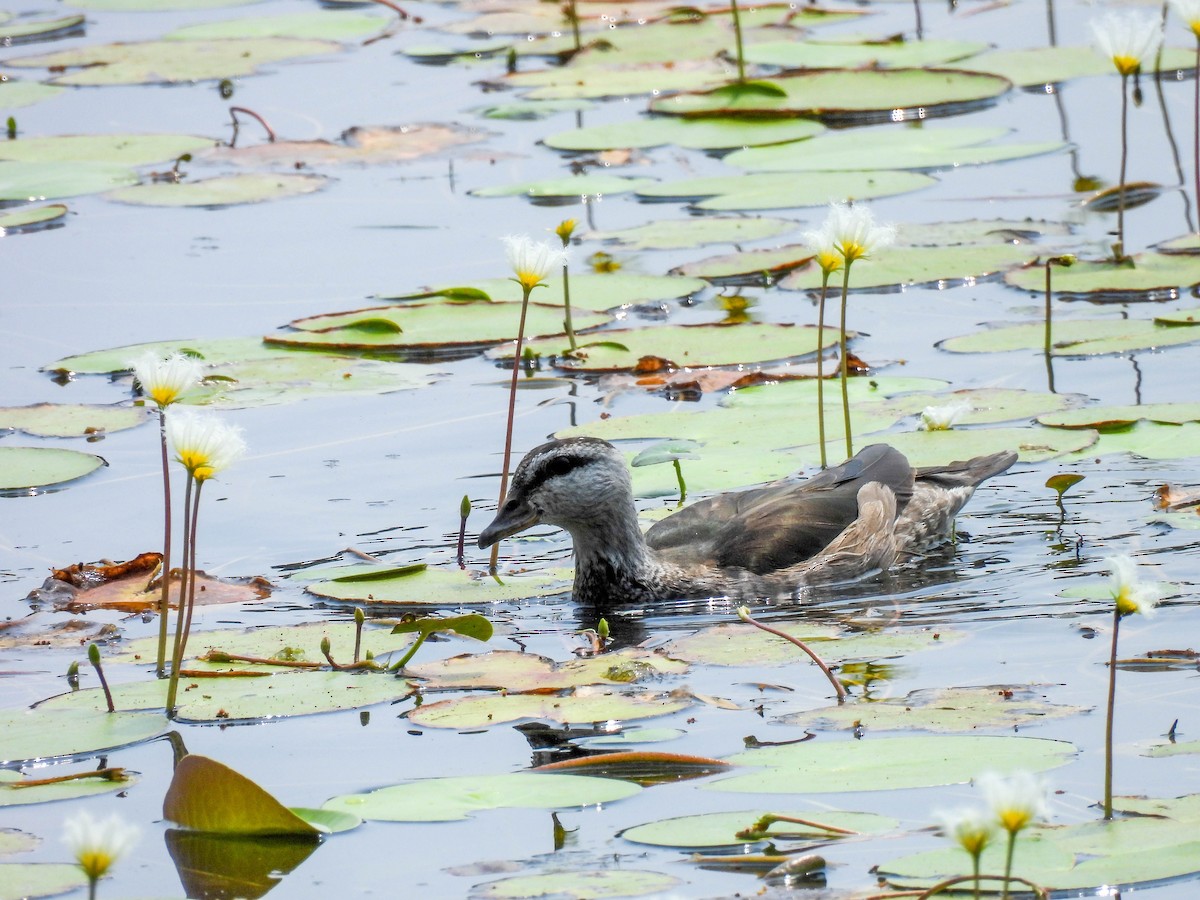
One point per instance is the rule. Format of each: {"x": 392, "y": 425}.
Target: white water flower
{"x": 97, "y": 845}
{"x": 165, "y": 380}
{"x": 1127, "y": 38}
{"x": 942, "y": 418}
{"x": 203, "y": 443}
{"x": 1189, "y": 11}
{"x": 1129, "y": 592}
{"x": 532, "y": 261}
{"x": 822, "y": 242}
{"x": 971, "y": 828}
{"x": 853, "y": 232}
{"x": 1016, "y": 800}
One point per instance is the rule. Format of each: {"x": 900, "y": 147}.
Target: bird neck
{"x": 613, "y": 563}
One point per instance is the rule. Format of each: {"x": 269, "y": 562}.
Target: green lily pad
{"x": 735, "y": 644}
{"x": 987, "y": 405}
{"x": 213, "y": 351}
{"x": 472, "y": 712}
{"x": 977, "y": 231}
{"x": 1149, "y": 440}
{"x": 171, "y": 62}
{"x": 521, "y": 672}
{"x": 749, "y": 265}
{"x": 208, "y": 796}
{"x": 443, "y": 587}
{"x": 456, "y": 798}
{"x": 157, "y": 5}
{"x": 226, "y": 190}
{"x": 889, "y": 54}
{"x": 847, "y": 95}
{"x": 44, "y": 733}
{"x": 678, "y": 234}
{"x": 888, "y": 763}
{"x": 793, "y": 394}
{"x": 783, "y": 191}
{"x": 12, "y": 793}
{"x": 579, "y": 186}
{"x": 594, "y": 292}
{"x": 31, "y": 218}
{"x": 706, "y": 134}
{"x": 686, "y": 345}
{"x": 70, "y": 419}
{"x": 328, "y": 25}
{"x": 1179, "y": 317}
{"x": 22, "y": 881}
{"x": 889, "y": 147}
{"x": 720, "y": 829}
{"x": 1033, "y": 444}
{"x": 906, "y": 266}
{"x": 940, "y": 709}
{"x": 32, "y": 181}
{"x": 586, "y": 884}
{"x": 1114, "y": 417}
{"x": 1074, "y": 337}
{"x": 594, "y": 83}
{"x": 232, "y": 698}
{"x": 1033, "y": 66}
{"x": 24, "y": 31}
{"x": 15, "y": 94}
{"x": 114, "y": 149}
{"x": 527, "y": 110}
{"x": 1158, "y": 276}
{"x": 1187, "y": 748}
{"x": 12, "y": 841}
{"x": 31, "y": 467}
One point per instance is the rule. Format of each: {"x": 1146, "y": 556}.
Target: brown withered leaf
{"x": 374, "y": 145}
{"x": 1167, "y": 497}
{"x": 37, "y": 631}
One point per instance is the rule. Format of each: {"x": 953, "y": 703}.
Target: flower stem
{"x": 191, "y": 599}
{"x": 1119, "y": 249}
{"x": 567, "y": 309}
{"x": 737, "y": 33}
{"x": 512, "y": 409}
{"x": 679, "y": 478}
{"x": 164, "y": 603}
{"x": 845, "y": 363}
{"x": 821, "y": 364}
{"x": 1196, "y": 128}
{"x": 1008, "y": 861}
{"x": 176, "y": 654}
{"x": 1108, "y": 721}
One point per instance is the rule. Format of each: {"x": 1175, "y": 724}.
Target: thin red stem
{"x": 512, "y": 410}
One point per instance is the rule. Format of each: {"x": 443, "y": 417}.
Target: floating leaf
{"x": 677, "y": 234}
{"x": 525, "y": 110}
{"x": 455, "y": 798}
{"x": 206, "y": 795}
{"x": 31, "y": 734}
{"x": 170, "y": 62}
{"x": 227, "y": 190}
{"x": 782, "y": 191}
{"x": 445, "y": 587}
{"x": 585, "y": 884}
{"x": 21, "y": 881}
{"x": 1105, "y": 418}
{"x": 361, "y": 145}
{"x": 1074, "y": 337}
{"x": 1032, "y": 444}
{"x": 13, "y": 841}
{"x": 1179, "y": 317}
{"x": 985, "y": 405}
{"x": 109, "y": 149}
{"x": 577, "y": 186}
{"x": 579, "y": 82}
{"x": 707, "y": 134}
{"x": 14, "y": 93}
{"x": 588, "y": 291}
{"x": 1187, "y": 748}
{"x": 70, "y": 419}
{"x": 1029, "y": 67}
{"x": 666, "y": 451}
{"x": 578, "y": 708}
{"x": 157, "y": 5}
{"x": 25, "y": 31}
{"x": 888, "y": 147}
{"x": 31, "y": 467}
{"x": 321, "y": 24}
{"x": 1063, "y": 482}
{"x": 1149, "y": 440}
{"x": 889, "y": 54}
{"x": 687, "y": 345}
{"x": 524, "y": 672}
{"x": 1155, "y": 276}
{"x": 15, "y": 792}
{"x": 32, "y": 218}
{"x": 709, "y": 830}
{"x": 472, "y": 625}
{"x": 889, "y": 763}
{"x": 899, "y": 267}
{"x": 940, "y": 709}
{"x": 849, "y": 95}
{"x": 32, "y": 181}
{"x": 751, "y": 266}
{"x": 644, "y": 767}
{"x": 429, "y": 326}
{"x": 733, "y": 644}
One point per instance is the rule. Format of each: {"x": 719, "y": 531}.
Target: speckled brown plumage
{"x": 848, "y": 521}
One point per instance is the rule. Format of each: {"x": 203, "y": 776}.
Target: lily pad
{"x": 112, "y": 149}
{"x": 226, "y": 190}
{"x": 586, "y": 884}
{"x": 889, "y": 763}
{"x": 1149, "y": 440}
{"x": 527, "y": 110}
{"x": 707, "y": 134}
{"x": 14, "y": 793}
{"x": 21, "y": 881}
{"x": 595, "y": 292}
{"x": 1155, "y": 276}
{"x": 206, "y": 795}
{"x": 986, "y": 405}
{"x": 709, "y": 830}
{"x": 1074, "y": 337}
{"x": 889, "y": 147}
{"x": 213, "y": 351}
{"x": 31, "y": 218}
{"x": 522, "y": 672}
{"x": 578, "y": 82}
{"x": 70, "y": 419}
{"x": 686, "y": 345}
{"x": 940, "y": 709}
{"x": 31, "y": 734}
{"x": 26, "y": 31}
{"x": 734, "y": 644}
{"x": 328, "y": 25}
{"x": 1179, "y": 317}
{"x": 1033, "y": 444}
{"x": 171, "y": 62}
{"x": 1115, "y": 417}
{"x": 361, "y": 145}
{"x": 900, "y": 267}
{"x": 456, "y": 798}
{"x": 13, "y": 841}
{"x": 15, "y": 93}
{"x": 32, "y": 181}
{"x": 783, "y": 191}
{"x": 578, "y": 186}
{"x": 157, "y": 5}
{"x": 1029, "y": 67}
{"x": 749, "y": 266}
{"x": 32, "y": 467}
{"x": 678, "y": 234}
{"x": 1187, "y": 748}
{"x": 443, "y": 587}
{"x": 886, "y": 54}
{"x": 843, "y": 95}
{"x": 582, "y": 706}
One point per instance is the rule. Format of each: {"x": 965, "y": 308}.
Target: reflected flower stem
{"x": 821, "y": 363}
{"x": 164, "y": 603}
{"x": 1108, "y": 721}
{"x": 845, "y": 368}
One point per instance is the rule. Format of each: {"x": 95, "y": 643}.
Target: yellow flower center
{"x": 828, "y": 261}
{"x": 1013, "y": 820}
{"x": 95, "y": 862}
{"x": 852, "y": 250}
{"x": 1127, "y": 65}
{"x": 1126, "y": 606}
{"x": 164, "y": 396}
{"x": 528, "y": 280}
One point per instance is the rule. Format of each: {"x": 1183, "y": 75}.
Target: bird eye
{"x": 560, "y": 465}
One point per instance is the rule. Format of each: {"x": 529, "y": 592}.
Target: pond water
{"x": 384, "y": 473}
